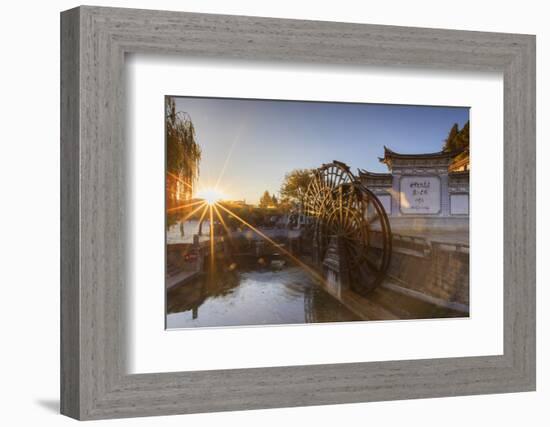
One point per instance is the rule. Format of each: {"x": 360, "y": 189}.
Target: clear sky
{"x": 249, "y": 145}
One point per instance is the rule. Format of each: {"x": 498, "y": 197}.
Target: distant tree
{"x": 450, "y": 141}
{"x": 458, "y": 140}
{"x": 265, "y": 200}
{"x": 274, "y": 201}
{"x": 295, "y": 184}
{"x": 464, "y": 137}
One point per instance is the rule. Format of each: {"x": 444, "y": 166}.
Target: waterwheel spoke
{"x": 344, "y": 208}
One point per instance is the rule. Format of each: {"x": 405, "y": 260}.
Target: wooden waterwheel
{"x": 342, "y": 208}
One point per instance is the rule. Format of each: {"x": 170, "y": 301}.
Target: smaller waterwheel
{"x": 346, "y": 212}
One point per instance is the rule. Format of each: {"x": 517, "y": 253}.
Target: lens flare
{"x": 211, "y": 195}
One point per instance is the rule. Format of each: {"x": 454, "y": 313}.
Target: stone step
{"x": 180, "y": 278}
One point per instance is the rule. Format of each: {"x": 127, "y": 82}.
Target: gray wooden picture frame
{"x": 94, "y": 41}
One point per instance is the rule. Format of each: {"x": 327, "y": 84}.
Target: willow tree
{"x": 183, "y": 155}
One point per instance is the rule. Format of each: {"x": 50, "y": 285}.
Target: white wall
{"x": 29, "y": 235}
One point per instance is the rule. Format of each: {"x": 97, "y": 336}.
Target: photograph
{"x": 283, "y": 212}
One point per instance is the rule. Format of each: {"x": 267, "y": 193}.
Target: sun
{"x": 210, "y": 195}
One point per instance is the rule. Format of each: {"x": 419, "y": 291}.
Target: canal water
{"x": 246, "y": 296}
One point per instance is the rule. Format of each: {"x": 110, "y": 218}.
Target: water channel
{"x": 253, "y": 296}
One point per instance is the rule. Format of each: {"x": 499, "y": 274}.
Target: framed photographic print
{"x": 257, "y": 235}
{"x": 261, "y": 213}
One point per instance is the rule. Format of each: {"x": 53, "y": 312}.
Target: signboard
{"x": 420, "y": 195}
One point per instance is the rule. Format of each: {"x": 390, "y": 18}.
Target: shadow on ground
{"x": 51, "y": 405}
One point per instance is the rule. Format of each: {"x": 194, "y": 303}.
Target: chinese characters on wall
{"x": 420, "y": 195}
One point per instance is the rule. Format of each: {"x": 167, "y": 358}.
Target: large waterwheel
{"x": 344, "y": 210}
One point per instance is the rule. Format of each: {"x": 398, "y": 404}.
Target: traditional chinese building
{"x": 428, "y": 191}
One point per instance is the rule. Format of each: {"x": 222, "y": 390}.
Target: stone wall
{"x": 437, "y": 270}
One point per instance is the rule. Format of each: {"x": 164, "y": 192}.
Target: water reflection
{"x": 247, "y": 296}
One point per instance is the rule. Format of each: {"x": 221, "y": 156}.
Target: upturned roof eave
{"x": 389, "y": 154}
